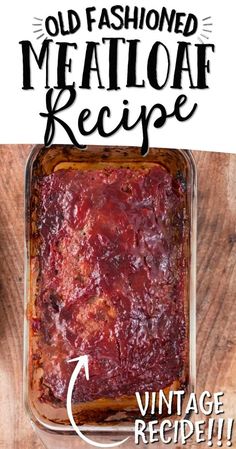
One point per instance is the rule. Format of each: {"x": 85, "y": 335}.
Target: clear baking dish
{"x": 105, "y": 418}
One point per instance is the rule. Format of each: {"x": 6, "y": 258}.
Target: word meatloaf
{"x": 111, "y": 282}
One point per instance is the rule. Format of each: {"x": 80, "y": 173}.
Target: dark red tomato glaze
{"x": 112, "y": 279}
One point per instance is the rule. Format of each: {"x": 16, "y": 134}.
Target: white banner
{"x": 136, "y": 73}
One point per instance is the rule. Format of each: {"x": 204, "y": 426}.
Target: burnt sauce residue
{"x": 112, "y": 280}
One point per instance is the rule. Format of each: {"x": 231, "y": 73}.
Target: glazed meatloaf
{"x": 111, "y": 282}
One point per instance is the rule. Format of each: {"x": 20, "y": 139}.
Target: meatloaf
{"x": 111, "y": 282}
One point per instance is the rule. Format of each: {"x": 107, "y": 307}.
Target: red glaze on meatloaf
{"x": 111, "y": 281}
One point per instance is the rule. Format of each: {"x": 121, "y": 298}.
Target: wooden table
{"x": 216, "y": 287}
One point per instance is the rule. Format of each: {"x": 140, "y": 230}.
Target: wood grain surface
{"x": 216, "y": 288}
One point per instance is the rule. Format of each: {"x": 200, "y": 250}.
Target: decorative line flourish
{"x": 39, "y": 27}
{"x": 206, "y": 37}
{"x": 41, "y": 35}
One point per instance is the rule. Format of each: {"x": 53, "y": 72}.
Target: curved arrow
{"x": 82, "y": 362}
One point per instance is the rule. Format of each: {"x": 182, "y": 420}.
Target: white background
{"x": 211, "y": 128}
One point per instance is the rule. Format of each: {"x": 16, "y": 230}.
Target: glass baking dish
{"x": 44, "y": 161}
